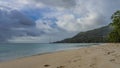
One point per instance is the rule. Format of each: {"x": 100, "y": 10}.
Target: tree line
{"x": 114, "y": 35}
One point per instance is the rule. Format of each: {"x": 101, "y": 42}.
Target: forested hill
{"x": 97, "y": 35}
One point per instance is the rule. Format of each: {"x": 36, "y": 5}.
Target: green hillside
{"x": 97, "y": 35}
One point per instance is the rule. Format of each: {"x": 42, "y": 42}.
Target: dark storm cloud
{"x": 15, "y": 24}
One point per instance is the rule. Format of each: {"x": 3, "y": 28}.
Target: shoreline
{"x": 95, "y": 44}
{"x": 41, "y": 54}
{"x": 96, "y": 56}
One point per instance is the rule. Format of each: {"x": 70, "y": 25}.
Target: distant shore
{"x": 104, "y": 56}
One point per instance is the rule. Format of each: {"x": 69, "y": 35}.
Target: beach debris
{"x": 46, "y": 65}
{"x": 108, "y": 53}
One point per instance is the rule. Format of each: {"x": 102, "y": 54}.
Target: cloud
{"x": 85, "y": 15}
{"x": 68, "y": 22}
{"x": 21, "y": 4}
{"x": 56, "y": 18}
{"x": 44, "y": 38}
{"x": 58, "y": 3}
{"x": 15, "y": 24}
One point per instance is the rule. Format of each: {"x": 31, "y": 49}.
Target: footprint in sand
{"x": 61, "y": 67}
{"x": 94, "y": 63}
{"x": 114, "y": 61}
{"x": 109, "y": 52}
{"x": 76, "y": 59}
{"x": 116, "y": 55}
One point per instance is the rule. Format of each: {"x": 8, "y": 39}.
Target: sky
{"x": 44, "y": 21}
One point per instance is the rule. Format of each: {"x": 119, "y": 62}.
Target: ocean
{"x": 10, "y": 51}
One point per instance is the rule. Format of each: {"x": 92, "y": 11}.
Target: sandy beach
{"x": 103, "y": 56}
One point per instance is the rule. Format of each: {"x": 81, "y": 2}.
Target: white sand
{"x": 105, "y": 56}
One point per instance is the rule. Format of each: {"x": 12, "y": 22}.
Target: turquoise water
{"x": 18, "y": 50}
